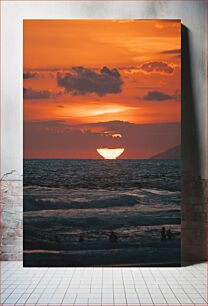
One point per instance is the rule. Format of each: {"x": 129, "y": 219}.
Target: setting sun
{"x": 110, "y": 153}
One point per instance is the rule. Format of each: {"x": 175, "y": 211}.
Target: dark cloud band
{"x": 82, "y": 81}
{"x": 158, "y": 96}
{"x": 156, "y": 67}
{"x": 30, "y": 94}
{"x": 173, "y": 51}
{"x": 30, "y": 75}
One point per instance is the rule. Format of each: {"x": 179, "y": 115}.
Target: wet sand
{"x": 165, "y": 253}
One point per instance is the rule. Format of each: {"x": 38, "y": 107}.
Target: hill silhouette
{"x": 172, "y": 153}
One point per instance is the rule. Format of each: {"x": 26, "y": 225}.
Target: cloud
{"x": 30, "y": 75}
{"x": 173, "y": 51}
{"x": 157, "y": 96}
{"x": 30, "y": 94}
{"x": 156, "y": 67}
{"x": 82, "y": 81}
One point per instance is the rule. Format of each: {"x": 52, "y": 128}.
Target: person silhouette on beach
{"x": 163, "y": 234}
{"x": 113, "y": 237}
{"x": 169, "y": 234}
{"x": 57, "y": 239}
{"x": 81, "y": 238}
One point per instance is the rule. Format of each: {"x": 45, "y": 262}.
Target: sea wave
{"x": 161, "y": 192}
{"x": 50, "y": 219}
{"x": 31, "y": 204}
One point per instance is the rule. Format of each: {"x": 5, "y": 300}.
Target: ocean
{"x": 72, "y": 206}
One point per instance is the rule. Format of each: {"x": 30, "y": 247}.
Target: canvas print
{"x": 102, "y": 166}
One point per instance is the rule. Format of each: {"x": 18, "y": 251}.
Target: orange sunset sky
{"x": 101, "y": 83}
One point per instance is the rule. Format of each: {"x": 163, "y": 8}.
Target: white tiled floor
{"x": 103, "y": 286}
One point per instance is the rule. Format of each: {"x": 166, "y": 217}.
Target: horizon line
{"x": 28, "y": 158}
